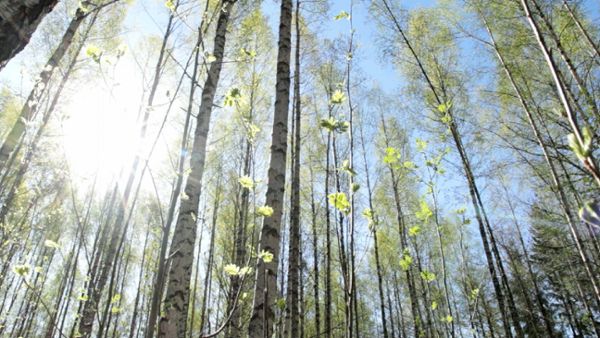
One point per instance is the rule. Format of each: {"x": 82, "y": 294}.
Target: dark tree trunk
{"x": 18, "y": 21}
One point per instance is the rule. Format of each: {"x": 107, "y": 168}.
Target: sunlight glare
{"x": 100, "y": 133}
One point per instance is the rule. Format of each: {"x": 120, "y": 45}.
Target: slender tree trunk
{"x": 559, "y": 191}
{"x": 209, "y": 265}
{"x": 24, "y": 167}
{"x": 373, "y": 224}
{"x": 595, "y": 52}
{"x": 588, "y": 161}
{"x": 316, "y": 260}
{"x": 158, "y": 289}
{"x": 470, "y": 180}
{"x": 263, "y": 314}
{"x": 31, "y": 105}
{"x": 177, "y": 293}
{"x": 404, "y": 247}
{"x": 294, "y": 259}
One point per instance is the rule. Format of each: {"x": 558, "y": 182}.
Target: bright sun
{"x": 100, "y": 133}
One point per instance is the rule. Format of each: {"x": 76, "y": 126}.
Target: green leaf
{"x": 338, "y": 97}
{"x": 339, "y": 201}
{"x": 209, "y": 58}
{"x": 406, "y": 260}
{"x": 332, "y": 125}
{"x": 355, "y": 187}
{"x": 328, "y": 124}
{"x": 231, "y": 269}
{"x": 51, "y": 244}
{"x": 115, "y": 310}
{"x": 434, "y": 305}
{"x": 446, "y": 119}
{"x": 391, "y": 155}
{"x": 248, "y": 53}
{"x": 448, "y": 319}
{"x": 444, "y": 107}
{"x": 409, "y": 165}
{"x": 246, "y": 182}
{"x": 265, "y": 211}
{"x": 234, "y": 270}
{"x": 342, "y": 15}
{"x": 266, "y": 256}
{"x": 233, "y": 96}
{"x": 413, "y": 231}
{"x": 474, "y": 294}
{"x": 170, "y": 4}
{"x": 421, "y": 145}
{"x": 368, "y": 214}
{"x": 22, "y": 269}
{"x": 253, "y": 130}
{"x": 424, "y": 213}
{"x": 94, "y": 53}
{"x": 346, "y": 168}
{"x": 116, "y": 298}
{"x": 428, "y": 276}
{"x": 84, "y": 6}
{"x": 590, "y": 213}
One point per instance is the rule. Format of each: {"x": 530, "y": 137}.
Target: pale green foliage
{"x": 428, "y": 276}
{"x": 265, "y": 256}
{"x": 231, "y": 269}
{"x": 170, "y": 4}
{"x": 582, "y": 150}
{"x": 342, "y": 15}
{"x": 474, "y": 294}
{"x": 22, "y": 269}
{"x": 414, "y": 230}
{"x": 116, "y": 298}
{"x": 406, "y": 260}
{"x": 234, "y": 270}
{"x": 264, "y": 211}
{"x": 339, "y": 201}
{"x": 421, "y": 145}
{"x": 346, "y": 168}
{"x": 392, "y": 155}
{"x": 246, "y": 53}
{"x": 424, "y": 213}
{"x": 84, "y": 6}
{"x": 252, "y": 130}
{"x": 51, "y": 244}
{"x": 246, "y": 182}
{"x": 233, "y": 96}
{"x": 338, "y": 97}
{"x": 332, "y": 125}
{"x": 94, "y": 53}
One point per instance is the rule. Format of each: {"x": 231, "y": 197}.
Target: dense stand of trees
{"x": 268, "y": 187}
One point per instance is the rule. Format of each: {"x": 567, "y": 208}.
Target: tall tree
{"x": 265, "y": 290}
{"x": 177, "y": 295}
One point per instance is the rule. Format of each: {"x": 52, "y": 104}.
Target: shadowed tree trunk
{"x": 31, "y": 105}
{"x": 18, "y": 21}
